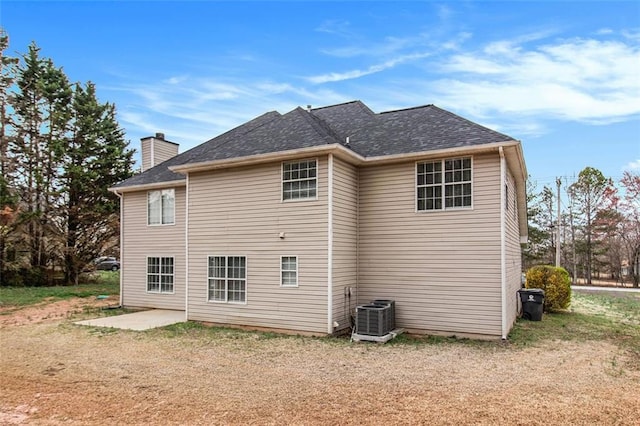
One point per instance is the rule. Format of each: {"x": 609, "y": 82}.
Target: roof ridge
{"x": 409, "y": 109}
{"x": 222, "y": 142}
{"x": 357, "y": 101}
{"x": 453, "y": 114}
{"x": 318, "y": 124}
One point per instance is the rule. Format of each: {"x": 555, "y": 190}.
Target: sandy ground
{"x": 54, "y": 372}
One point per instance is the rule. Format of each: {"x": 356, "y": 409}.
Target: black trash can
{"x": 532, "y": 303}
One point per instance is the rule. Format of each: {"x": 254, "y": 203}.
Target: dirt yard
{"x": 54, "y": 372}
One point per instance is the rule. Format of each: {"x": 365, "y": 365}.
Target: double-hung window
{"x": 161, "y": 207}
{"x": 299, "y": 180}
{"x": 444, "y": 184}
{"x": 289, "y": 271}
{"x": 227, "y": 279}
{"x": 160, "y": 274}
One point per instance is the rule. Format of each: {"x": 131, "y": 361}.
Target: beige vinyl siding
{"x": 513, "y": 253}
{"x": 239, "y": 212}
{"x": 345, "y": 195}
{"x": 147, "y": 161}
{"x": 163, "y": 150}
{"x": 441, "y": 267}
{"x": 156, "y": 151}
{"x": 141, "y": 241}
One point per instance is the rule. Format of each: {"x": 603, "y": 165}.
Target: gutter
{"x": 335, "y": 149}
{"x": 463, "y": 150}
{"x": 338, "y": 150}
{"x": 147, "y": 186}
{"x": 121, "y": 197}
{"x": 503, "y": 249}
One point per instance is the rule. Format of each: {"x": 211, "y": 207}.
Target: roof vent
{"x": 160, "y": 136}
{"x": 308, "y": 108}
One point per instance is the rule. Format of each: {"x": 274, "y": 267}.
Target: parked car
{"x": 107, "y": 263}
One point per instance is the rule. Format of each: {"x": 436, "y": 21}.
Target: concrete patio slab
{"x": 138, "y": 321}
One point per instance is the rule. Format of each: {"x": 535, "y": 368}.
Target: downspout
{"x": 330, "y": 246}
{"x": 503, "y": 251}
{"x": 357, "y": 239}
{"x": 186, "y": 251}
{"x": 121, "y": 197}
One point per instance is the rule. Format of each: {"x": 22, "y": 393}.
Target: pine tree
{"x": 8, "y": 199}
{"x": 61, "y": 151}
{"x": 96, "y": 158}
{"x": 41, "y": 114}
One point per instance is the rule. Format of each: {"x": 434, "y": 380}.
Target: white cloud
{"x": 176, "y": 79}
{"x": 388, "y": 46}
{"x": 633, "y": 165}
{"x": 513, "y": 85}
{"x": 444, "y": 12}
{"x": 583, "y": 80}
{"x": 200, "y": 108}
{"x": 338, "y": 27}
{"x": 348, "y": 75}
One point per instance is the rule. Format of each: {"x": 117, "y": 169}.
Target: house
{"x": 289, "y": 221}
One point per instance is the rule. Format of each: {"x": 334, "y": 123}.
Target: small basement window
{"x": 289, "y": 271}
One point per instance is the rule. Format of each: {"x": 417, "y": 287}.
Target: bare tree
{"x": 589, "y": 193}
{"x": 630, "y": 232}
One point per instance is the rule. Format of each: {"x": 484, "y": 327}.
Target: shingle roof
{"x": 403, "y": 131}
{"x": 419, "y": 129}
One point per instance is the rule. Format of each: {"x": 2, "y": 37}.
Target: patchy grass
{"x": 107, "y": 283}
{"x": 598, "y": 317}
{"x": 592, "y": 317}
{"x": 203, "y": 331}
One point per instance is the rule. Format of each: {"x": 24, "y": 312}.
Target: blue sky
{"x": 562, "y": 77}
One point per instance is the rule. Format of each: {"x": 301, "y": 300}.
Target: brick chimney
{"x": 156, "y": 149}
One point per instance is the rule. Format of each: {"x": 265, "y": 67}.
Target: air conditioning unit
{"x": 392, "y": 312}
{"x": 373, "y": 320}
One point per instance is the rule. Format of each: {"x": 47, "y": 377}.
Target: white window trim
{"x": 146, "y": 284}
{"x": 296, "y": 271}
{"x": 226, "y": 292}
{"x": 295, "y": 200}
{"x": 444, "y": 208}
{"x": 174, "y": 207}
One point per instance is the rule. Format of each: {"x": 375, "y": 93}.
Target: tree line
{"x": 60, "y": 151}
{"x": 597, "y": 232}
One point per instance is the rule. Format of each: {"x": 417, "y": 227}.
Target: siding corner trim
{"x": 330, "y": 244}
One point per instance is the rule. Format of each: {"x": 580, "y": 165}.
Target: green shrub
{"x": 555, "y": 282}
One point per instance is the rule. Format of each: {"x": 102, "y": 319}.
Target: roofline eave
{"x": 148, "y": 186}
{"x": 335, "y": 148}
{"x": 461, "y": 150}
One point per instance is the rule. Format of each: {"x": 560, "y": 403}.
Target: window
{"x": 161, "y": 207}
{"x": 444, "y": 184}
{"x": 289, "y": 271}
{"x": 299, "y": 180}
{"x": 227, "y": 278}
{"x": 160, "y": 274}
